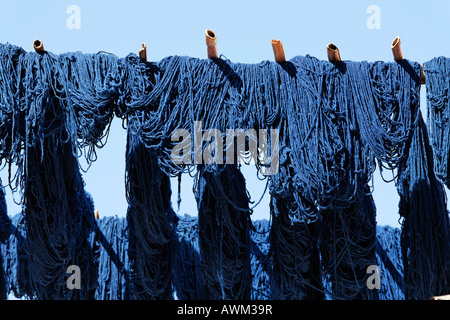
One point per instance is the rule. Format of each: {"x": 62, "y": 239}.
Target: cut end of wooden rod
{"x": 397, "y": 49}
{"x": 333, "y": 53}
{"x": 278, "y": 51}
{"x": 444, "y": 297}
{"x": 211, "y": 44}
{"x": 38, "y": 46}
{"x": 422, "y": 77}
{"x": 97, "y": 216}
{"x": 143, "y": 52}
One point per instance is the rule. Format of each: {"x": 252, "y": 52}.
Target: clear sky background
{"x": 244, "y": 29}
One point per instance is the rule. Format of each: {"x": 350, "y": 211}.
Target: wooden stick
{"x": 38, "y": 46}
{"x": 211, "y": 44}
{"x": 278, "y": 51}
{"x": 422, "y": 76}
{"x": 333, "y": 53}
{"x": 143, "y": 52}
{"x": 445, "y": 297}
{"x": 97, "y": 216}
{"x": 397, "y": 49}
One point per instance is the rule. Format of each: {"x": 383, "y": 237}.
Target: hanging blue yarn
{"x": 187, "y": 279}
{"x": 340, "y": 118}
{"x": 151, "y": 220}
{"x": 389, "y": 261}
{"x": 137, "y": 81}
{"x": 15, "y": 260}
{"x": 3, "y": 284}
{"x": 55, "y": 206}
{"x": 110, "y": 241}
{"x": 437, "y": 73}
{"x": 5, "y": 230}
{"x": 57, "y": 213}
{"x": 89, "y": 86}
{"x": 5, "y": 221}
{"x": 296, "y": 270}
{"x": 296, "y": 191}
{"x": 335, "y": 122}
{"x": 187, "y": 268}
{"x": 260, "y": 262}
{"x": 185, "y": 90}
{"x": 344, "y": 117}
{"x": 425, "y": 236}
{"x": 224, "y": 235}
{"x": 347, "y": 245}
{"x": 178, "y": 91}
{"x": 186, "y": 271}
{"x": 389, "y": 258}
{"x": 110, "y": 245}
{"x": 425, "y": 222}
{"x": 12, "y": 130}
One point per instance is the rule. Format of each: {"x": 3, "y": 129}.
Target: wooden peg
{"x": 211, "y": 44}
{"x": 38, "y": 46}
{"x": 397, "y": 49}
{"x": 96, "y": 215}
{"x": 143, "y": 52}
{"x": 278, "y": 51}
{"x": 333, "y": 53}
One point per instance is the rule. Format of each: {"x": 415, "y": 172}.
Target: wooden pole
{"x": 445, "y": 297}
{"x": 38, "y": 46}
{"x": 398, "y": 56}
{"x": 278, "y": 51}
{"x": 422, "y": 76}
{"x": 211, "y": 44}
{"x": 333, "y": 53}
{"x": 143, "y": 52}
{"x": 397, "y": 49}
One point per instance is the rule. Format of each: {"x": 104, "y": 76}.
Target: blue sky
{"x": 244, "y": 30}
